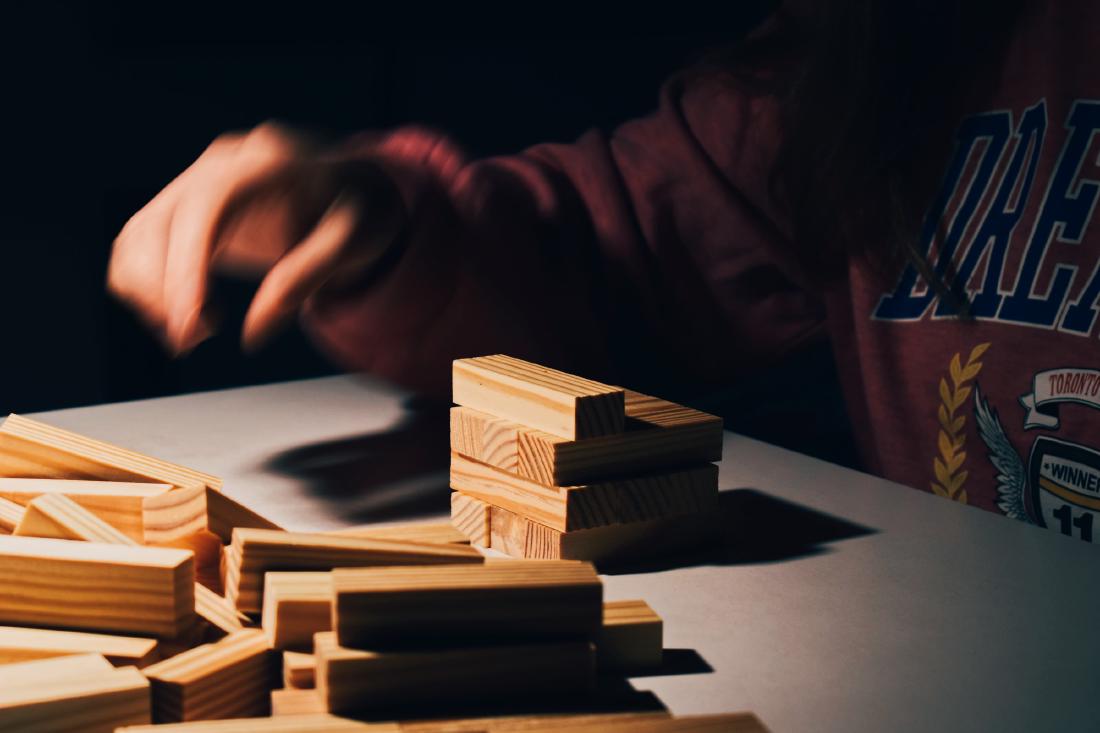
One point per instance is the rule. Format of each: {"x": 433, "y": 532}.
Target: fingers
{"x": 262, "y": 154}
{"x": 303, "y": 270}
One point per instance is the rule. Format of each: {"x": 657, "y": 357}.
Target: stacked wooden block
{"x": 551, "y": 466}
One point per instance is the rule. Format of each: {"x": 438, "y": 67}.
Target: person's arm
{"x": 650, "y": 250}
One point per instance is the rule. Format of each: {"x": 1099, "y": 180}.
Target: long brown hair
{"x": 873, "y": 98}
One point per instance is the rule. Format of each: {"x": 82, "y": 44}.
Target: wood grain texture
{"x": 299, "y": 671}
{"x": 34, "y": 449}
{"x": 567, "y": 508}
{"x": 253, "y": 552}
{"x": 472, "y": 518}
{"x": 723, "y": 723}
{"x": 99, "y": 587}
{"x": 224, "y": 514}
{"x": 122, "y": 504}
{"x": 524, "y": 722}
{"x": 291, "y": 701}
{"x": 658, "y": 434}
{"x": 10, "y": 515}
{"x": 356, "y": 679}
{"x": 73, "y": 694}
{"x": 296, "y": 606}
{"x": 546, "y": 399}
{"x": 518, "y": 536}
{"x": 505, "y": 600}
{"x": 216, "y": 610}
{"x": 631, "y": 638}
{"x": 323, "y": 723}
{"x": 21, "y": 644}
{"x": 58, "y": 516}
{"x": 439, "y": 533}
{"x": 227, "y": 679}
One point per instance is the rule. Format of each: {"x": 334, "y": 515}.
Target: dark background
{"x": 104, "y": 105}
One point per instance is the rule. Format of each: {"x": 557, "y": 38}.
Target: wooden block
{"x": 440, "y": 533}
{"x": 658, "y": 434}
{"x": 74, "y": 694}
{"x": 227, "y": 679}
{"x": 506, "y": 600}
{"x": 356, "y": 679}
{"x": 546, "y": 399}
{"x": 34, "y": 449}
{"x": 631, "y": 638}
{"x": 323, "y": 723}
{"x": 225, "y": 514}
{"x": 127, "y": 506}
{"x": 87, "y": 585}
{"x": 58, "y": 516}
{"x": 567, "y": 508}
{"x": 21, "y": 644}
{"x": 472, "y": 518}
{"x": 519, "y": 536}
{"x": 256, "y": 551}
{"x": 525, "y": 722}
{"x": 296, "y": 606}
{"x": 299, "y": 671}
{"x": 217, "y": 610}
{"x": 10, "y": 515}
{"x": 296, "y": 702}
{"x": 724, "y": 723}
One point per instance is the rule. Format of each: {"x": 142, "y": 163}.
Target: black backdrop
{"x": 105, "y": 104}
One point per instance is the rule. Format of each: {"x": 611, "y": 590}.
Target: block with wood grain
{"x": 546, "y": 399}
{"x": 23, "y": 644}
{"x": 601, "y": 503}
{"x": 503, "y": 600}
{"x": 230, "y": 678}
{"x": 472, "y": 517}
{"x": 72, "y": 694}
{"x": 253, "y": 552}
{"x": 359, "y": 679}
{"x": 10, "y": 515}
{"x": 441, "y": 533}
{"x": 299, "y": 670}
{"x": 631, "y": 637}
{"x": 296, "y": 701}
{"x": 296, "y": 606}
{"x": 657, "y": 434}
{"x": 97, "y": 587}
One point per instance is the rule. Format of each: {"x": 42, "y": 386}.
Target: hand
{"x": 266, "y": 202}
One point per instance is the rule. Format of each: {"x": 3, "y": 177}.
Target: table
{"x": 857, "y": 604}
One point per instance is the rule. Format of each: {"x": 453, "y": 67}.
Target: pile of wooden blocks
{"x": 548, "y": 465}
{"x": 135, "y": 595}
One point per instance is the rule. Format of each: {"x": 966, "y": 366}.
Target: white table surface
{"x": 872, "y": 607}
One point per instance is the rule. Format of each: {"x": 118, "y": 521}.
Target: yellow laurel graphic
{"x": 952, "y": 439}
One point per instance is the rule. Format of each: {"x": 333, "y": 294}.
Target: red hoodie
{"x": 660, "y": 242}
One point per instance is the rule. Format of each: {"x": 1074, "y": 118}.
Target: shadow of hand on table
{"x": 398, "y": 473}
{"x": 755, "y": 528}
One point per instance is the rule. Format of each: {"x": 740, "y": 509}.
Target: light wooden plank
{"x": 21, "y": 644}
{"x": 472, "y": 518}
{"x": 227, "y": 679}
{"x": 519, "y": 536}
{"x": 58, "y": 516}
{"x": 217, "y": 610}
{"x": 299, "y": 671}
{"x": 723, "y": 723}
{"x": 296, "y": 606}
{"x": 100, "y": 587}
{"x": 73, "y": 694}
{"x": 118, "y": 503}
{"x": 442, "y": 533}
{"x": 296, "y": 702}
{"x": 256, "y": 551}
{"x": 631, "y": 638}
{"x": 505, "y": 600}
{"x": 323, "y": 723}
{"x": 525, "y": 722}
{"x": 356, "y": 679}
{"x": 224, "y": 514}
{"x": 658, "y": 434}
{"x": 567, "y": 508}
{"x": 10, "y": 515}
{"x": 34, "y": 449}
{"x": 546, "y": 399}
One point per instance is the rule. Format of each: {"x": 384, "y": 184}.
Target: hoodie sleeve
{"x": 651, "y": 251}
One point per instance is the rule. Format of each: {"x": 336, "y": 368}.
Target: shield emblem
{"x": 1064, "y": 486}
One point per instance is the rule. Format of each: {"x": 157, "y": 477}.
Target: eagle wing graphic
{"x": 1011, "y": 476}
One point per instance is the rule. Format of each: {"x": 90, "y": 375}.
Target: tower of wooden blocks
{"x": 547, "y": 465}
